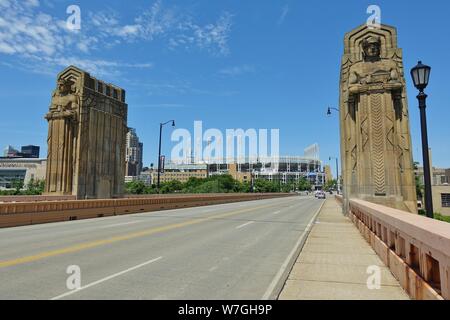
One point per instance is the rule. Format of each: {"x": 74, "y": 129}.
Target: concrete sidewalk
{"x": 333, "y": 264}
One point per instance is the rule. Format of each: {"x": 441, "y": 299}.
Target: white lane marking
{"x": 285, "y": 265}
{"x": 213, "y": 268}
{"x": 276, "y": 212}
{"x": 119, "y": 224}
{"x": 245, "y": 224}
{"x": 105, "y": 279}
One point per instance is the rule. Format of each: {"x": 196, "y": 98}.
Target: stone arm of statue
{"x": 354, "y": 84}
{"x": 53, "y": 105}
{"x": 392, "y": 86}
{"x": 394, "y": 82}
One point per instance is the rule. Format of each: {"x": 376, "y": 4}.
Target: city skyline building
{"x": 134, "y": 154}
{"x": 29, "y": 151}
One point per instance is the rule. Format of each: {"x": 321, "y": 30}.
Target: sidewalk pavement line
{"x": 280, "y": 278}
{"x": 105, "y": 279}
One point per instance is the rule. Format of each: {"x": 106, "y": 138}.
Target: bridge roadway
{"x": 230, "y": 251}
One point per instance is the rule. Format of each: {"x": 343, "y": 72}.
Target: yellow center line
{"x": 96, "y": 243}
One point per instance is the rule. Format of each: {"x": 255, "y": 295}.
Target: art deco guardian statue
{"x": 375, "y": 136}
{"x": 87, "y": 124}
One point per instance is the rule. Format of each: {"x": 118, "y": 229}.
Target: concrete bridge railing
{"x": 26, "y": 213}
{"x": 415, "y": 248}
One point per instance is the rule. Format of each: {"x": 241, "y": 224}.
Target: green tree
{"x": 419, "y": 185}
{"x": 304, "y": 184}
{"x": 151, "y": 189}
{"x": 192, "y": 184}
{"x": 17, "y": 186}
{"x": 171, "y": 186}
{"x": 35, "y": 187}
{"x": 330, "y": 185}
{"x": 135, "y": 187}
{"x": 266, "y": 186}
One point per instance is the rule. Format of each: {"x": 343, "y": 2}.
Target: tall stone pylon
{"x": 377, "y": 163}
{"x": 87, "y": 126}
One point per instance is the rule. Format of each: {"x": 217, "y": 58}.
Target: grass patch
{"x": 440, "y": 217}
{"x": 437, "y": 216}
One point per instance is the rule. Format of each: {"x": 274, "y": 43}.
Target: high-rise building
{"x": 10, "y": 151}
{"x": 30, "y": 151}
{"x": 134, "y": 154}
{"x": 328, "y": 174}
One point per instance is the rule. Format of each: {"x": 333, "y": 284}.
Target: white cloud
{"x": 283, "y": 15}
{"x": 212, "y": 37}
{"x": 128, "y": 31}
{"x": 180, "y": 29}
{"x": 237, "y": 70}
{"x": 28, "y": 33}
{"x": 98, "y": 67}
{"x": 6, "y": 48}
{"x": 32, "y": 3}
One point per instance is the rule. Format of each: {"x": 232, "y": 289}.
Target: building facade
{"x": 439, "y": 176}
{"x": 441, "y": 199}
{"x": 134, "y": 154}
{"x": 180, "y": 172}
{"x": 21, "y": 170}
{"x": 283, "y": 170}
{"x": 28, "y": 152}
{"x": 328, "y": 174}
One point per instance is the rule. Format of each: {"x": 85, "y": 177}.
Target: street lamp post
{"x": 161, "y": 125}
{"x": 329, "y": 110}
{"x": 337, "y": 161}
{"x": 421, "y": 75}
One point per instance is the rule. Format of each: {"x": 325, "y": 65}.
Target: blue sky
{"x": 232, "y": 64}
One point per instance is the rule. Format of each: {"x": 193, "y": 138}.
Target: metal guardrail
{"x": 27, "y": 213}
{"x": 415, "y": 248}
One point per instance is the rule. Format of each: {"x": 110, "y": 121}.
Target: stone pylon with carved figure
{"x": 87, "y": 124}
{"x": 377, "y": 163}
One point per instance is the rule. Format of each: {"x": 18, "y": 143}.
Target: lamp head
{"x": 421, "y": 75}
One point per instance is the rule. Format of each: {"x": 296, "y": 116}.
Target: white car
{"x": 321, "y": 195}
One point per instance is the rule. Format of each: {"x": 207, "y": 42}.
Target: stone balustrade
{"x": 415, "y": 248}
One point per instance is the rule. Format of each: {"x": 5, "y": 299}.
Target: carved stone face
{"x": 64, "y": 86}
{"x": 372, "y": 48}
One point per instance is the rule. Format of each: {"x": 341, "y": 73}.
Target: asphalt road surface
{"x": 230, "y": 251}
